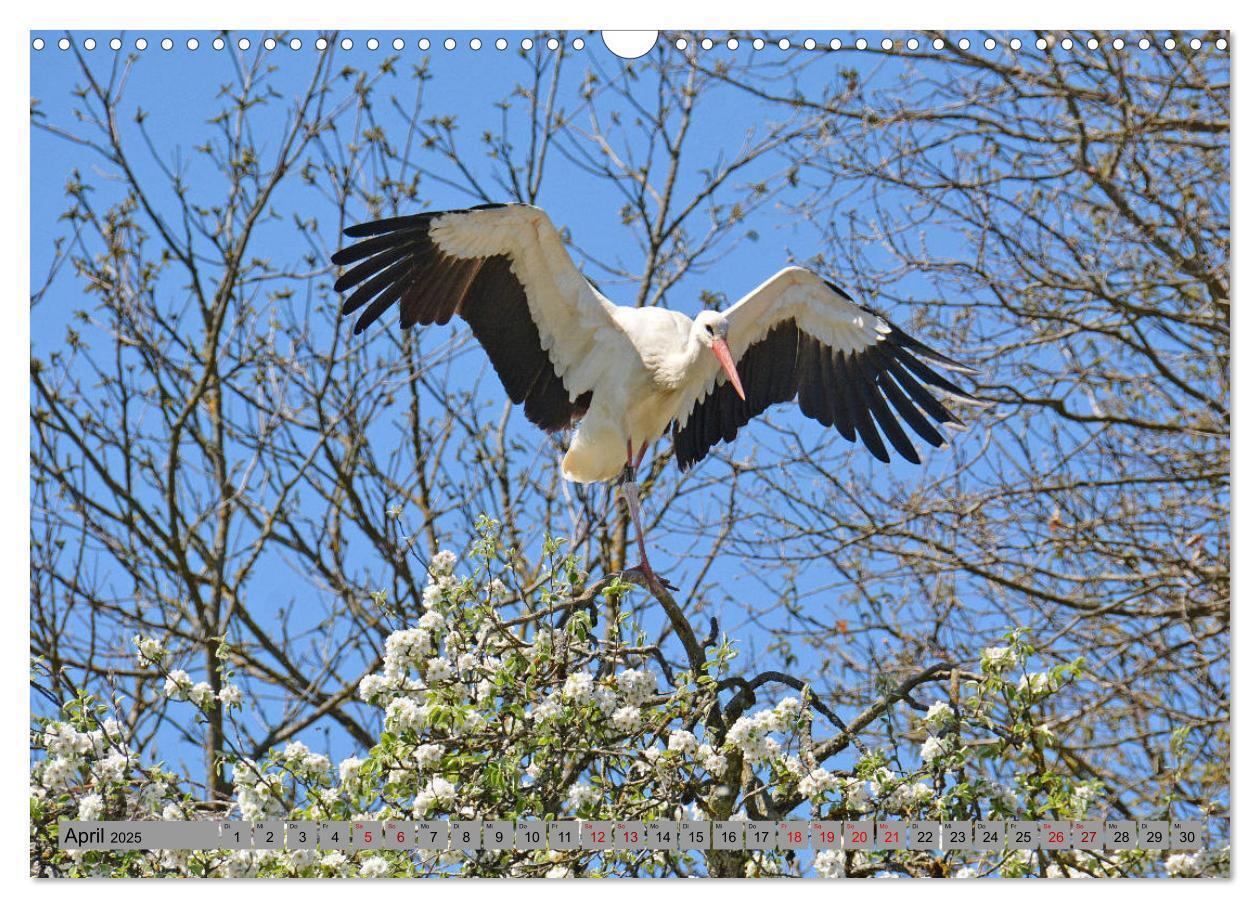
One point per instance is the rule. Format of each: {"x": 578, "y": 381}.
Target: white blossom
{"x": 404, "y": 713}
{"x": 60, "y": 739}
{"x": 111, "y": 768}
{"x": 1037, "y": 683}
{"x": 829, "y": 864}
{"x": 606, "y": 699}
{"x": 627, "y": 718}
{"x": 547, "y": 709}
{"x": 713, "y": 761}
{"x": 404, "y": 650}
{"x": 230, "y": 695}
{"x": 579, "y": 687}
{"x": 857, "y": 795}
{"x": 932, "y": 748}
{"x": 438, "y": 792}
{"x": 682, "y": 741}
{"x": 299, "y": 859}
{"x": 938, "y": 716}
{"x": 374, "y": 867}
{"x": 997, "y": 659}
{"x": 583, "y": 795}
{"x": 432, "y": 595}
{"x": 334, "y": 861}
{"x": 1183, "y": 863}
{"x": 177, "y": 685}
{"x": 58, "y": 771}
{"x": 442, "y": 564}
{"x": 817, "y": 781}
{"x": 372, "y": 686}
{"x": 637, "y": 685}
{"x": 439, "y": 669}
{"x": 201, "y": 694}
{"x": 428, "y": 755}
{"x": 432, "y": 622}
{"x": 149, "y": 651}
{"x": 348, "y": 770}
{"x": 90, "y": 807}
{"x": 314, "y": 762}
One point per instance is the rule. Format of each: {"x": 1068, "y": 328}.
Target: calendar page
{"x": 658, "y": 454}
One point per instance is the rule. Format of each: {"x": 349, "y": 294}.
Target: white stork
{"x": 624, "y": 375}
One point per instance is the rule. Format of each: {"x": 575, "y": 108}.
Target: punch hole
{"x": 630, "y": 45}
{"x": 115, "y": 43}
{"x": 167, "y": 44}
{"x": 860, "y": 44}
{"x": 373, "y": 44}
{"x": 218, "y": 44}
{"x": 964, "y": 44}
{"x": 38, "y": 44}
{"x": 321, "y": 44}
{"x": 1016, "y": 44}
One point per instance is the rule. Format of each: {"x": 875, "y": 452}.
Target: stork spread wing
{"x": 504, "y": 269}
{"x": 799, "y": 336}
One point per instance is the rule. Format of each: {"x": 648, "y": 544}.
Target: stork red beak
{"x": 723, "y": 354}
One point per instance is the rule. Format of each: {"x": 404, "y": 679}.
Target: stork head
{"x": 710, "y": 329}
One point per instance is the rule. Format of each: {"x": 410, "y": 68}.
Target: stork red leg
{"x": 629, "y": 488}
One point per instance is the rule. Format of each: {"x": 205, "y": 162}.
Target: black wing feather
{"x": 861, "y": 393}
{"x": 397, "y": 262}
